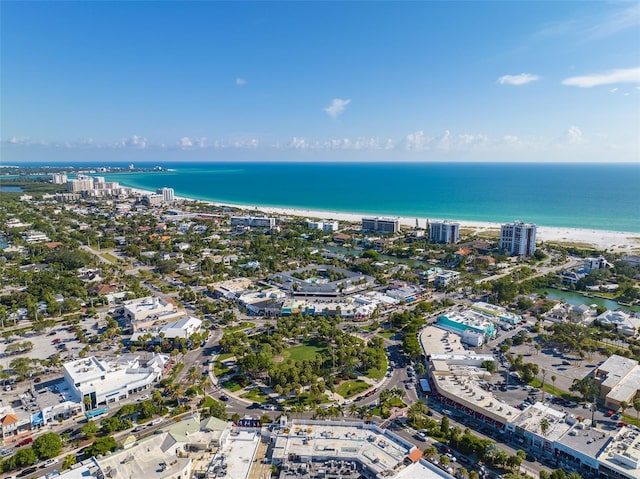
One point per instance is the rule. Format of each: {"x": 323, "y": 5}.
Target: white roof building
{"x": 105, "y": 382}
{"x": 142, "y": 308}
{"x": 624, "y": 322}
{"x": 183, "y": 328}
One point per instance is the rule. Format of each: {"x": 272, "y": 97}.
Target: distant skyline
{"x": 313, "y": 81}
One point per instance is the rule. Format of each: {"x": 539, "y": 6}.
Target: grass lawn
{"x": 377, "y": 373}
{"x": 231, "y": 385}
{"x": 395, "y": 402}
{"x": 239, "y": 327}
{"x": 255, "y": 395}
{"x": 630, "y": 419}
{"x": 220, "y": 370}
{"x": 306, "y": 351}
{"x": 352, "y": 387}
{"x": 109, "y": 257}
{"x": 387, "y": 334}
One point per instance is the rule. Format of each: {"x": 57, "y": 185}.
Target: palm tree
{"x": 553, "y": 381}
{"x": 544, "y": 426}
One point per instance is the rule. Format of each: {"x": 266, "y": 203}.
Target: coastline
{"x": 612, "y": 241}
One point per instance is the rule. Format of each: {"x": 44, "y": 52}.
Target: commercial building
{"x": 142, "y": 308}
{"x": 459, "y": 322}
{"x": 497, "y": 311}
{"x": 446, "y": 278}
{"x": 446, "y": 232}
{"x": 619, "y": 380}
{"x": 317, "y": 449}
{"x": 381, "y": 224}
{"x": 625, "y": 323}
{"x": 620, "y": 459}
{"x": 590, "y": 264}
{"x": 183, "y": 328}
{"x": 518, "y": 238}
{"x": 96, "y": 382}
{"x": 321, "y": 280}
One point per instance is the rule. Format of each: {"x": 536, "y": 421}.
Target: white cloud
{"x": 186, "y": 143}
{"x": 337, "y": 107}
{"x": 241, "y": 81}
{"x": 574, "y": 135}
{"x": 623, "y": 75}
{"x": 135, "y": 141}
{"x": 417, "y": 141}
{"x": 521, "y": 79}
{"x": 613, "y": 90}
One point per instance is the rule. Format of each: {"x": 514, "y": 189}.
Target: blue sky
{"x": 363, "y": 81}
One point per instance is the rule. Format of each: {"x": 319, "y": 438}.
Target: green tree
{"x": 47, "y": 445}
{"x": 68, "y": 461}
{"x": 25, "y": 457}
{"x": 444, "y": 426}
{"x": 90, "y": 429}
{"x": 101, "y": 446}
{"x": 489, "y": 365}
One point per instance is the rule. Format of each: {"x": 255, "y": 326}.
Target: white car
{"x": 50, "y": 462}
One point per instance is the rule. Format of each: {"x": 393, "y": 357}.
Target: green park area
{"x": 307, "y": 351}
{"x": 352, "y": 387}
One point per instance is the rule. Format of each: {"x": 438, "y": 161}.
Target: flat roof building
{"x": 142, "y": 308}
{"x": 619, "y": 380}
{"x": 96, "y": 382}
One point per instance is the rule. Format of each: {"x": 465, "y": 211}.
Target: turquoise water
{"x": 598, "y": 196}
{"x": 581, "y": 196}
{"x": 576, "y": 299}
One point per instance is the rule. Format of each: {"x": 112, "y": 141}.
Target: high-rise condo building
{"x": 167, "y": 194}
{"x": 381, "y": 225}
{"x": 518, "y": 238}
{"x": 444, "y": 232}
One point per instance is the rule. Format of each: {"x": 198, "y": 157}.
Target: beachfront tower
{"x": 381, "y": 225}
{"x": 446, "y": 232}
{"x": 518, "y": 238}
{"x": 168, "y": 195}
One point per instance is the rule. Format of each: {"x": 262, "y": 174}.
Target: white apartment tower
{"x": 59, "y": 178}
{"x": 446, "y": 232}
{"x": 168, "y": 195}
{"x": 518, "y": 238}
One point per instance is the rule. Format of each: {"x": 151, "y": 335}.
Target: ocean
{"x": 593, "y": 196}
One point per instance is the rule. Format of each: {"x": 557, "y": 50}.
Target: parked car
{"x": 27, "y": 471}
{"x": 49, "y": 463}
{"x": 25, "y": 441}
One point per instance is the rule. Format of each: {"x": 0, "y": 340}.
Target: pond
{"x": 572, "y": 297}
{"x": 11, "y": 189}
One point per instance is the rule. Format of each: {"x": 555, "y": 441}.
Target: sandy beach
{"x": 612, "y": 241}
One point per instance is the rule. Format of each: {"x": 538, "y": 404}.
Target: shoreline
{"x": 613, "y": 241}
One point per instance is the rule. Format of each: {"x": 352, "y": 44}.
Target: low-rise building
{"x": 619, "y": 380}
{"x": 95, "y": 382}
{"x": 140, "y": 309}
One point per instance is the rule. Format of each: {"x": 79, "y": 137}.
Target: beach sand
{"x": 612, "y": 241}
